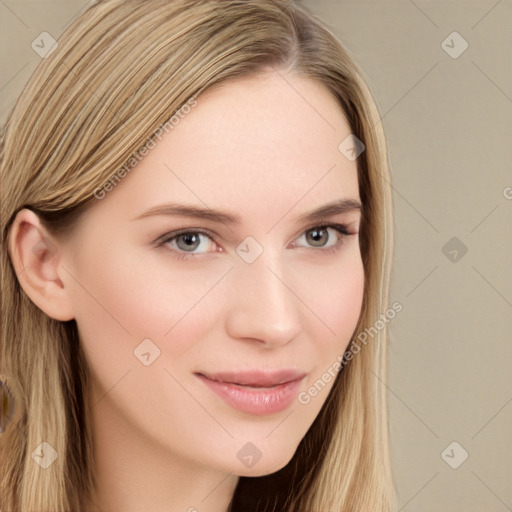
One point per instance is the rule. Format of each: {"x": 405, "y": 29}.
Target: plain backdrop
{"x": 441, "y": 75}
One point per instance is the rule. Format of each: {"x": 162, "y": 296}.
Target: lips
{"x": 256, "y": 378}
{"x": 255, "y": 392}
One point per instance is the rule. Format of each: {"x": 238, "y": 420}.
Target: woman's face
{"x": 270, "y": 298}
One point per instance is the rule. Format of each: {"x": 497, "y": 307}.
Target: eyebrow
{"x": 328, "y": 210}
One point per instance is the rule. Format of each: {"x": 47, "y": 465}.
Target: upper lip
{"x": 256, "y": 378}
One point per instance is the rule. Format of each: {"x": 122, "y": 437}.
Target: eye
{"x": 322, "y": 236}
{"x": 184, "y": 243}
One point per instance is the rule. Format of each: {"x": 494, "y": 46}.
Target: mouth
{"x": 255, "y": 392}
{"x": 256, "y": 378}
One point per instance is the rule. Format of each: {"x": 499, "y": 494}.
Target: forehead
{"x": 257, "y": 146}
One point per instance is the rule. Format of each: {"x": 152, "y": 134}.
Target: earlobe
{"x": 36, "y": 256}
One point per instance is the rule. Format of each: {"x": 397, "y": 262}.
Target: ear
{"x": 35, "y": 256}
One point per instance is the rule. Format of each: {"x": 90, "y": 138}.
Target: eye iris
{"x": 315, "y": 237}
{"x": 191, "y": 241}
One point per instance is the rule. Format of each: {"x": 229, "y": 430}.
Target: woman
{"x": 196, "y": 228}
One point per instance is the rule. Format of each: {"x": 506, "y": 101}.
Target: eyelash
{"x": 342, "y": 230}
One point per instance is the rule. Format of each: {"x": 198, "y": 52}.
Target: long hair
{"x": 120, "y": 71}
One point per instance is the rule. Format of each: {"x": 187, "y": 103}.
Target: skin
{"x": 265, "y": 148}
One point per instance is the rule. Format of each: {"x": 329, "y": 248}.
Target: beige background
{"x": 448, "y": 122}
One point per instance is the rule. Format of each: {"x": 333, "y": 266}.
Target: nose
{"x": 263, "y": 306}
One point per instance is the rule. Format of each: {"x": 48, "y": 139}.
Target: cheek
{"x": 336, "y": 300}
{"x": 344, "y": 307}
{"x": 123, "y": 300}
{"x": 334, "y": 295}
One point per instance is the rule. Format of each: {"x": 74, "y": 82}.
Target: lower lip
{"x": 258, "y": 401}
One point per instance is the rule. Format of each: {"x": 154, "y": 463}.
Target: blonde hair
{"x": 119, "y": 72}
